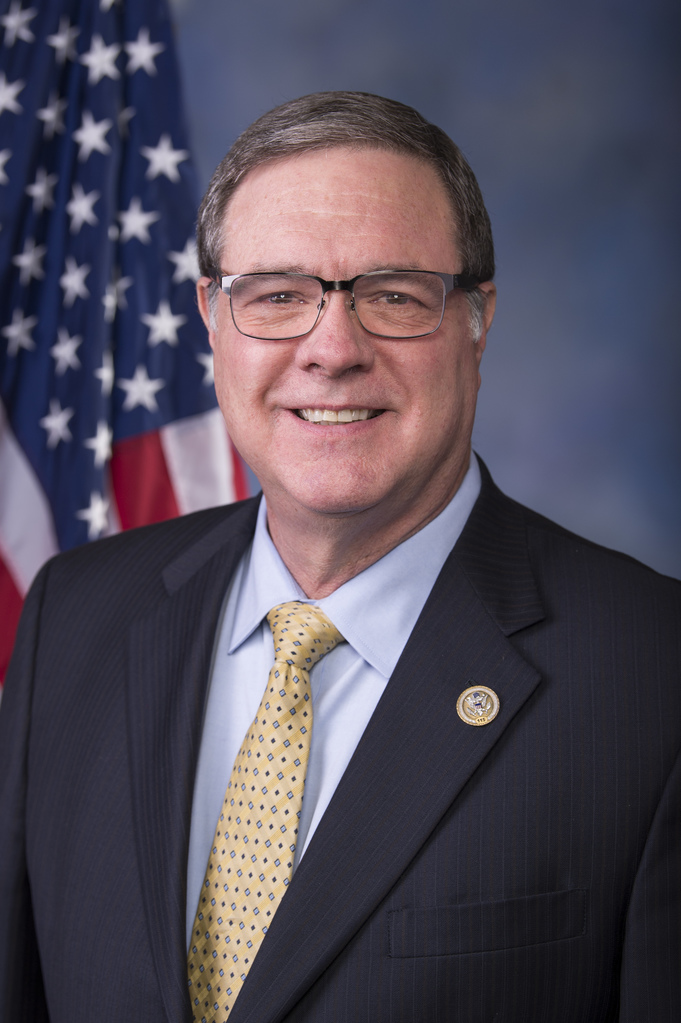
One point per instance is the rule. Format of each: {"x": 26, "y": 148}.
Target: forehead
{"x": 340, "y": 212}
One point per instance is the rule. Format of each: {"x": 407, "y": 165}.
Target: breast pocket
{"x": 487, "y": 926}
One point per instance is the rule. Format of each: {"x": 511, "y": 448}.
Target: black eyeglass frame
{"x": 452, "y": 282}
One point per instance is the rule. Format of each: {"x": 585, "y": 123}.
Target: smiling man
{"x": 358, "y": 440}
{"x": 457, "y": 798}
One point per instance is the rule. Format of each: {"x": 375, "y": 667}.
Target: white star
{"x": 30, "y": 261}
{"x": 163, "y": 159}
{"x": 5, "y": 155}
{"x": 114, "y": 297}
{"x": 53, "y": 116}
{"x": 16, "y": 24}
{"x": 186, "y": 263}
{"x": 106, "y": 5}
{"x": 135, "y": 222}
{"x": 64, "y": 352}
{"x": 41, "y": 190}
{"x": 8, "y": 94}
{"x": 18, "y": 332}
{"x": 100, "y": 60}
{"x": 163, "y": 325}
{"x": 90, "y": 136}
{"x": 141, "y": 53}
{"x": 56, "y": 422}
{"x": 106, "y": 374}
{"x": 95, "y": 515}
{"x": 206, "y": 360}
{"x": 73, "y": 281}
{"x": 79, "y": 208}
{"x": 64, "y": 40}
{"x": 140, "y": 390}
{"x": 101, "y": 444}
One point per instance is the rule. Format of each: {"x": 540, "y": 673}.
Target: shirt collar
{"x": 374, "y": 611}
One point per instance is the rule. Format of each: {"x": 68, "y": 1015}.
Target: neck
{"x": 324, "y": 550}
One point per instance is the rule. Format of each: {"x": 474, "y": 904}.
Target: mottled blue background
{"x": 569, "y": 115}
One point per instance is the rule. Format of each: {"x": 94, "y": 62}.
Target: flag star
{"x": 142, "y": 53}
{"x": 41, "y": 190}
{"x": 80, "y": 208}
{"x": 100, "y": 60}
{"x": 64, "y": 41}
{"x": 101, "y": 444}
{"x": 5, "y": 155}
{"x": 163, "y": 324}
{"x": 56, "y": 422}
{"x": 16, "y": 24}
{"x": 163, "y": 159}
{"x": 135, "y": 222}
{"x": 140, "y": 390}
{"x": 90, "y": 136}
{"x": 206, "y": 360}
{"x": 53, "y": 116}
{"x": 73, "y": 281}
{"x": 106, "y": 5}
{"x": 30, "y": 261}
{"x": 95, "y": 515}
{"x": 64, "y": 352}
{"x": 186, "y": 263}
{"x": 106, "y": 374}
{"x": 8, "y": 94}
{"x": 18, "y": 332}
{"x": 114, "y": 297}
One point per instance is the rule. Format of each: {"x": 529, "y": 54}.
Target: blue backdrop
{"x": 569, "y": 115}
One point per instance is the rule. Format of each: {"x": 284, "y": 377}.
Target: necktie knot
{"x": 302, "y": 634}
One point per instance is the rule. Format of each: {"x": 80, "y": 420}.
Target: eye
{"x": 391, "y": 298}
{"x": 281, "y": 298}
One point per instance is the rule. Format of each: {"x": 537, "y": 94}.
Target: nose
{"x": 338, "y": 343}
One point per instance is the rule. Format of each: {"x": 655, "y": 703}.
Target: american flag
{"x": 108, "y": 416}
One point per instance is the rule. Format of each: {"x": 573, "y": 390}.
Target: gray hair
{"x": 355, "y": 120}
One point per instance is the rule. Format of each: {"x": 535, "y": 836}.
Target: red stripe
{"x": 241, "y": 488}
{"x": 11, "y": 604}
{"x": 141, "y": 483}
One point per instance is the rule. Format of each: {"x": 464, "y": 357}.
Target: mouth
{"x": 340, "y": 417}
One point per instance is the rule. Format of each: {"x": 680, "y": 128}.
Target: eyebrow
{"x": 296, "y": 268}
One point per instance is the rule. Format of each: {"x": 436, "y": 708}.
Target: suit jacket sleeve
{"x": 651, "y": 961}
{"x": 21, "y": 987}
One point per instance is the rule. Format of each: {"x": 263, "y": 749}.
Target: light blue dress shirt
{"x": 375, "y": 612}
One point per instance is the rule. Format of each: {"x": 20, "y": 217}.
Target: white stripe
{"x": 199, "y": 461}
{"x": 27, "y": 534}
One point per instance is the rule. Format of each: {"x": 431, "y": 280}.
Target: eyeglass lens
{"x": 279, "y": 306}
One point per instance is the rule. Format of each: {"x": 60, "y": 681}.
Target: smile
{"x": 329, "y": 417}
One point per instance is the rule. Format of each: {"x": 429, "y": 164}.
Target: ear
{"x": 202, "y": 286}
{"x": 489, "y": 290}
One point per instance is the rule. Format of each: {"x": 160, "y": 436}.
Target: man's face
{"x": 336, "y": 214}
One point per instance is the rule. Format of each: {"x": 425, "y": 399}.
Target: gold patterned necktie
{"x": 251, "y": 859}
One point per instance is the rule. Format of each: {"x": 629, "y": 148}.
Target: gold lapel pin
{"x": 478, "y": 705}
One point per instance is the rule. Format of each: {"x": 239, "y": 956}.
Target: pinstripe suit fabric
{"x": 528, "y": 870}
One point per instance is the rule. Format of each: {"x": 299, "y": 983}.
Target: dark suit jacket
{"x": 526, "y": 870}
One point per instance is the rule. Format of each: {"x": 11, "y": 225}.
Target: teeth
{"x": 346, "y": 415}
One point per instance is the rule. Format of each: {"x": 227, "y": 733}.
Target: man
{"x": 491, "y": 827}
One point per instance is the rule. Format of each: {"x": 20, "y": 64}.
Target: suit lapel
{"x": 414, "y": 758}
{"x": 169, "y": 665}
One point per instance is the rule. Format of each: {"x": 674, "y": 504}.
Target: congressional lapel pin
{"x": 478, "y": 705}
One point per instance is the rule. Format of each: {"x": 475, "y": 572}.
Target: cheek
{"x": 245, "y": 373}
{"x": 447, "y": 382}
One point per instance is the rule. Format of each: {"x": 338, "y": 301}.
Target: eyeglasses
{"x": 393, "y": 304}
